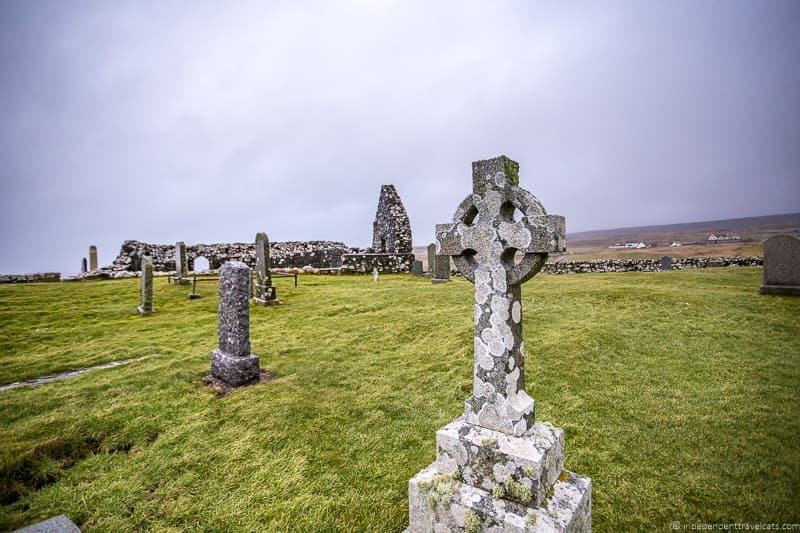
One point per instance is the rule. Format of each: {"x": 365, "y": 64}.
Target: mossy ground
{"x": 679, "y": 393}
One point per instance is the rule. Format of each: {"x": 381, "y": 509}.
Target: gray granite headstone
{"x": 666, "y": 263}
{"x": 146, "y": 287}
{"x": 83, "y": 265}
{"x": 263, "y": 291}
{"x": 431, "y": 257}
{"x": 441, "y": 272}
{"x": 232, "y": 363}
{"x": 496, "y": 468}
{"x": 57, "y": 524}
{"x": 781, "y": 266}
{"x": 416, "y": 268}
{"x": 93, "y": 257}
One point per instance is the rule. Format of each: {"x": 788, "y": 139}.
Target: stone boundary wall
{"x": 288, "y": 254}
{"x": 36, "y": 277}
{"x": 646, "y": 265}
{"x": 365, "y": 262}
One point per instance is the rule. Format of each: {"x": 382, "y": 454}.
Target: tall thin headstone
{"x": 781, "y": 266}
{"x": 93, "y": 257}
{"x": 375, "y": 275}
{"x": 496, "y": 468}
{"x": 181, "y": 266}
{"x": 83, "y": 265}
{"x": 263, "y": 292}
{"x": 431, "y": 257}
{"x": 232, "y": 363}
{"x": 146, "y": 287}
{"x": 441, "y": 272}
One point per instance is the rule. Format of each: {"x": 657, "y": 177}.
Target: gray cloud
{"x": 208, "y": 123}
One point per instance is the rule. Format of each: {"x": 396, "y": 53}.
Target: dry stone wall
{"x": 646, "y": 265}
{"x": 318, "y": 254}
{"x": 366, "y": 262}
{"x": 35, "y": 277}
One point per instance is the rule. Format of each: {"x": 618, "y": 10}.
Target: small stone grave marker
{"x": 666, "y": 263}
{"x": 264, "y": 292}
{"x": 146, "y": 287}
{"x": 232, "y": 363}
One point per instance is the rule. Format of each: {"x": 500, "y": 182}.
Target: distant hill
{"x": 751, "y": 228}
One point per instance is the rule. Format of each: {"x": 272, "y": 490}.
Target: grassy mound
{"x": 679, "y": 393}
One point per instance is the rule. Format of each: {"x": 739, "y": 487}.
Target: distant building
{"x": 629, "y": 244}
{"x": 675, "y": 243}
{"x": 726, "y": 237}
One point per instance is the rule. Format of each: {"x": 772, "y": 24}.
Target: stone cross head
{"x": 484, "y": 241}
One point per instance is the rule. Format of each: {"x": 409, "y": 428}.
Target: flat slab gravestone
{"x": 93, "y": 257}
{"x": 496, "y": 468}
{"x": 441, "y": 271}
{"x": 232, "y": 363}
{"x": 781, "y": 266}
{"x": 666, "y": 263}
{"x": 263, "y": 291}
{"x": 416, "y": 268}
{"x": 57, "y": 524}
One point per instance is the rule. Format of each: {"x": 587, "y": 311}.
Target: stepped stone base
{"x": 233, "y": 370}
{"x": 515, "y": 468}
{"x": 265, "y": 295}
{"x": 439, "y": 503}
{"x": 787, "y": 290}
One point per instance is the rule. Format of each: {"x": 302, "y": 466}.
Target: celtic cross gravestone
{"x": 495, "y": 466}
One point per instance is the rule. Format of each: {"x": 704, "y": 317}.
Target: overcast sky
{"x": 165, "y": 121}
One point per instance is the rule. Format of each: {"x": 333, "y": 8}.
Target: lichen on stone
{"x": 518, "y": 491}
{"x": 472, "y": 522}
{"x": 440, "y": 488}
{"x": 488, "y": 442}
{"x": 498, "y": 492}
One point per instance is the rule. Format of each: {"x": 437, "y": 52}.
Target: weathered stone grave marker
{"x": 181, "y": 266}
{"x": 666, "y": 263}
{"x": 83, "y": 265}
{"x": 441, "y": 272}
{"x": 495, "y": 466}
{"x": 264, "y": 292}
{"x": 416, "y": 268}
{"x": 93, "y": 257}
{"x": 232, "y": 363}
{"x": 781, "y": 266}
{"x": 375, "y": 275}
{"x": 146, "y": 287}
{"x": 431, "y": 257}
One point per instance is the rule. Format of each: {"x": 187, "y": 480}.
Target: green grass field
{"x": 679, "y": 393}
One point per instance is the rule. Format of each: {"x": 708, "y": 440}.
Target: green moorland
{"x": 679, "y": 393}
